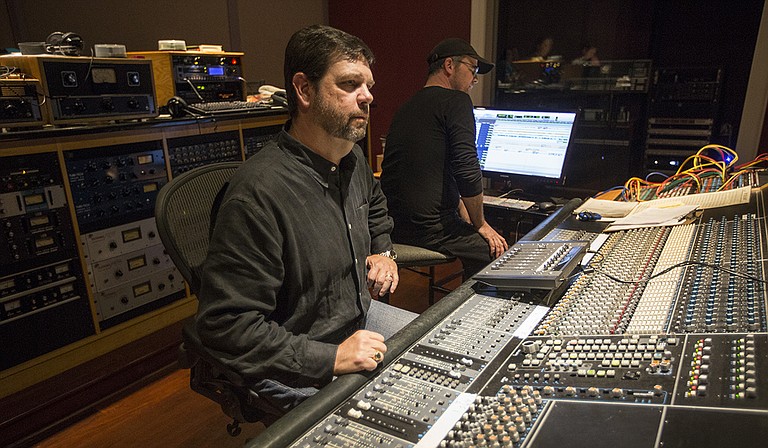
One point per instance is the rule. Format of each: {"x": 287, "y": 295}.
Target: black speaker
{"x": 67, "y": 44}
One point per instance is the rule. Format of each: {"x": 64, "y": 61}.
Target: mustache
{"x": 365, "y": 116}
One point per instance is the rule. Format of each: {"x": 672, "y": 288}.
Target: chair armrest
{"x": 192, "y": 350}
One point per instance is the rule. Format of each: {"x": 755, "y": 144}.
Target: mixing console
{"x": 691, "y": 278}
{"x": 724, "y": 290}
{"x": 404, "y": 403}
{"x": 636, "y": 369}
{"x": 529, "y": 264}
{"x": 570, "y": 235}
{"x": 658, "y": 339}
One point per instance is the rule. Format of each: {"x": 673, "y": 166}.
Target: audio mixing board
{"x": 656, "y": 338}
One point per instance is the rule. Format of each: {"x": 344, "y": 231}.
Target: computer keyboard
{"x": 224, "y": 107}
{"x": 517, "y": 204}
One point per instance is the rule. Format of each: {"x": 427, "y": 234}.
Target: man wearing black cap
{"x": 430, "y": 173}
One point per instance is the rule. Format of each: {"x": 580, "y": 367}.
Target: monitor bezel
{"x": 530, "y": 179}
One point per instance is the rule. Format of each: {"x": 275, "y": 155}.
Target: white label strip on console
{"x": 530, "y": 323}
{"x": 594, "y": 246}
{"x": 445, "y": 423}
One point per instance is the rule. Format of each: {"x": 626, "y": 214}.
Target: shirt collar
{"x": 320, "y": 168}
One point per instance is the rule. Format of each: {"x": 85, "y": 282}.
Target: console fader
{"x": 703, "y": 277}
{"x": 437, "y": 376}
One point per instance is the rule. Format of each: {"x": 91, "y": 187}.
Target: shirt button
{"x": 355, "y": 260}
{"x": 333, "y": 168}
{"x": 349, "y": 226}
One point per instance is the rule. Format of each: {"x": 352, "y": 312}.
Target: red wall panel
{"x": 401, "y": 33}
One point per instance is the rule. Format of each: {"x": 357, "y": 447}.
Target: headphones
{"x": 177, "y": 107}
{"x": 67, "y": 44}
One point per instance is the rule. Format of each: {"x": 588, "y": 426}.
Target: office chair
{"x": 185, "y": 211}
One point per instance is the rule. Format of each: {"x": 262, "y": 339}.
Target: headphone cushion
{"x": 177, "y": 107}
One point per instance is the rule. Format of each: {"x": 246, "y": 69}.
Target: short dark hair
{"x": 438, "y": 64}
{"x": 312, "y": 50}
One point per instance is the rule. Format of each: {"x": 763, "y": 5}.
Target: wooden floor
{"x": 166, "y": 413}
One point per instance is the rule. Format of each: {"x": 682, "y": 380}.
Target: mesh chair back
{"x": 183, "y": 214}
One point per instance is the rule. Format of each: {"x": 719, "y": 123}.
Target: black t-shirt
{"x": 430, "y": 160}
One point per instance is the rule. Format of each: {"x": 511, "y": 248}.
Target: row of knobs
{"x": 15, "y": 109}
{"x": 13, "y": 183}
{"x": 496, "y": 421}
{"x": 743, "y": 376}
{"x": 106, "y": 104}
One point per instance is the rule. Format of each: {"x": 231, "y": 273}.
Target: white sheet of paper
{"x": 668, "y": 215}
{"x": 606, "y": 209}
{"x": 704, "y": 201}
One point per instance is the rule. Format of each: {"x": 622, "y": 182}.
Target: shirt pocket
{"x": 360, "y": 222}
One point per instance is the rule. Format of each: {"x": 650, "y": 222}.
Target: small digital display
{"x": 102, "y": 75}
{"x": 137, "y": 262}
{"x": 12, "y": 306}
{"x": 144, "y": 159}
{"x": 140, "y": 290}
{"x": 44, "y": 242}
{"x": 216, "y": 71}
{"x": 7, "y": 284}
{"x": 131, "y": 234}
{"x": 150, "y": 187}
{"x": 61, "y": 269}
{"x": 37, "y": 221}
{"x": 34, "y": 199}
{"x": 65, "y": 289}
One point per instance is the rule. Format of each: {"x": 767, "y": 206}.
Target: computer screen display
{"x": 529, "y": 145}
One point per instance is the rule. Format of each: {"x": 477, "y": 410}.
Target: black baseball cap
{"x": 458, "y": 47}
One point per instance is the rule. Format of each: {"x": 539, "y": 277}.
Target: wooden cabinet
{"x": 84, "y": 275}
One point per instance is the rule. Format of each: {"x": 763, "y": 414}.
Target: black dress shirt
{"x": 284, "y": 280}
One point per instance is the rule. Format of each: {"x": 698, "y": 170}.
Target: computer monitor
{"x": 523, "y": 146}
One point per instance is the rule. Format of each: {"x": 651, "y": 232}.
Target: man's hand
{"x": 382, "y": 274}
{"x": 497, "y": 244}
{"x": 359, "y": 352}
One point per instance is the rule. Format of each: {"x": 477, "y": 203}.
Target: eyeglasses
{"x": 474, "y": 68}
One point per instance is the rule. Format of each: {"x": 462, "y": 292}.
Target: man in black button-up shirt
{"x": 284, "y": 293}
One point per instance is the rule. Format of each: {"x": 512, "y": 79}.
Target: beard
{"x": 337, "y": 123}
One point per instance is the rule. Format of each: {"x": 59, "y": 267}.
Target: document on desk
{"x": 609, "y": 210}
{"x": 705, "y": 201}
{"x": 665, "y": 215}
